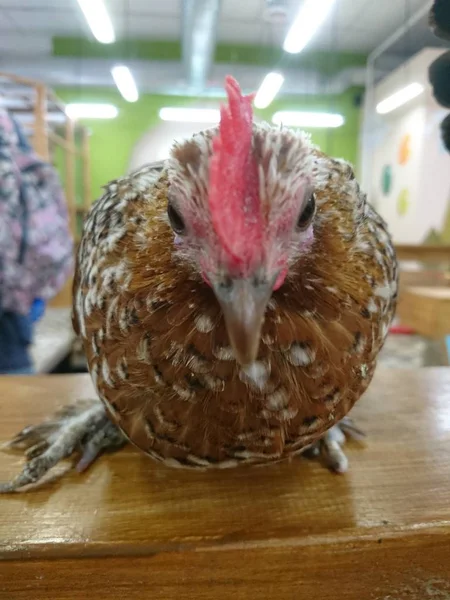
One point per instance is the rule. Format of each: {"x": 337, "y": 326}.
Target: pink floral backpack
{"x": 36, "y": 247}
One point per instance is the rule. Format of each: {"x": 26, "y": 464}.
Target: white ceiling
{"x": 27, "y": 27}
{"x": 357, "y": 25}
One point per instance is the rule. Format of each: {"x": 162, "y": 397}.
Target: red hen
{"x": 232, "y": 303}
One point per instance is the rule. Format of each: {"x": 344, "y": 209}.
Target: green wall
{"x": 112, "y": 141}
{"x": 325, "y": 61}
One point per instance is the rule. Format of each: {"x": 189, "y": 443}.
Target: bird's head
{"x": 242, "y": 206}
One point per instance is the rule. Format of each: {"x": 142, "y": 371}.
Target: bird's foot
{"x": 82, "y": 426}
{"x": 329, "y": 447}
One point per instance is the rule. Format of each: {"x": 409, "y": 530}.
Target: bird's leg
{"x": 82, "y": 426}
{"x": 329, "y": 447}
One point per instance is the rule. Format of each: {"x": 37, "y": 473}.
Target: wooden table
{"x": 132, "y": 529}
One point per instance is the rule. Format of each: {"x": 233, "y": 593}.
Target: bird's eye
{"x": 307, "y": 213}
{"x": 176, "y": 220}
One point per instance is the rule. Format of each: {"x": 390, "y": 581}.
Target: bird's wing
{"x": 107, "y": 223}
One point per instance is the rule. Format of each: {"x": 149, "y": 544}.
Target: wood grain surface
{"x": 130, "y": 528}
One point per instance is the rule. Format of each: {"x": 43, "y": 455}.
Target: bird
{"x": 232, "y": 302}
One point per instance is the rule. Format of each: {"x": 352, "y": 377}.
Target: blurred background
{"x": 100, "y": 87}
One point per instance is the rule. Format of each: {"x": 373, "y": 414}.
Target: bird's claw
{"x": 83, "y": 426}
{"x": 329, "y": 447}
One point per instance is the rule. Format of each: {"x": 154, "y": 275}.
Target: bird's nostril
{"x": 226, "y": 283}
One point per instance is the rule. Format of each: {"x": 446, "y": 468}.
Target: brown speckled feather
{"x": 157, "y": 347}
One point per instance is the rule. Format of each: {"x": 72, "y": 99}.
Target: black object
{"x": 358, "y": 100}
{"x": 439, "y": 76}
{"x": 439, "y": 19}
{"x": 445, "y": 130}
{"x": 439, "y": 70}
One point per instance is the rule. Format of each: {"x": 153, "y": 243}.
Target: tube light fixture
{"x": 125, "y": 82}
{"x": 190, "y": 115}
{"x": 399, "y": 98}
{"x": 98, "y": 20}
{"x": 308, "y": 119}
{"x": 91, "y": 111}
{"x": 268, "y": 89}
{"x": 306, "y": 24}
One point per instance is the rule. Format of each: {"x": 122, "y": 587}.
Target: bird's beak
{"x": 243, "y": 303}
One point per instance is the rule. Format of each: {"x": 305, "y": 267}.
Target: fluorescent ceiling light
{"x": 308, "y": 20}
{"x": 190, "y": 115}
{"x": 399, "y": 98}
{"x": 268, "y": 89}
{"x": 91, "y": 111}
{"x": 307, "y": 119}
{"x": 126, "y": 85}
{"x": 98, "y": 20}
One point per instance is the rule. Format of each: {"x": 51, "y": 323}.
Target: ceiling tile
{"x": 150, "y": 26}
{"x": 164, "y": 7}
{"x": 38, "y": 4}
{"x": 49, "y": 20}
{"x": 239, "y": 10}
{"x": 35, "y": 45}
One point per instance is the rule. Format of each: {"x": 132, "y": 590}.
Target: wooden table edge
{"x": 340, "y": 541}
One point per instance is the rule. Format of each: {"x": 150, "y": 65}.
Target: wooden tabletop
{"x": 130, "y": 528}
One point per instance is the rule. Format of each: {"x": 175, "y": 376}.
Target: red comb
{"x": 233, "y": 181}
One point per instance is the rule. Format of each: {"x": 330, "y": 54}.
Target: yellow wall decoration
{"x": 404, "y": 151}
{"x": 403, "y": 202}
